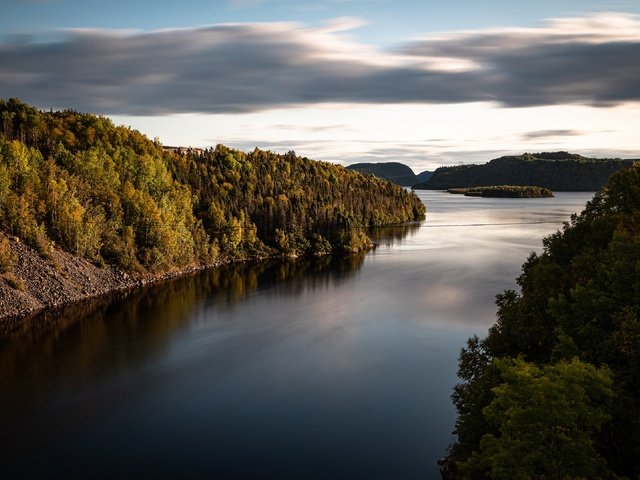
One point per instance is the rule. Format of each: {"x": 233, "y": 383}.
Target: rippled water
{"x": 335, "y": 368}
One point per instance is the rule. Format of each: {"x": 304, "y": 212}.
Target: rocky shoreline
{"x": 38, "y": 282}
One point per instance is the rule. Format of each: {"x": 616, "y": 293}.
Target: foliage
{"x": 580, "y": 297}
{"x": 13, "y": 281}
{"x": 504, "y": 191}
{"x": 544, "y": 420}
{"x": 287, "y": 200}
{"x": 111, "y": 195}
{"x": 8, "y": 257}
{"x": 557, "y": 171}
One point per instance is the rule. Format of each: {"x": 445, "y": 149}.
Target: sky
{"x": 426, "y": 83}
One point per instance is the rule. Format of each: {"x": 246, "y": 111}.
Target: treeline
{"x": 557, "y": 171}
{"x": 111, "y": 195}
{"x": 504, "y": 191}
{"x": 553, "y": 391}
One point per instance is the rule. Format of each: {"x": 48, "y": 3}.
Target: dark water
{"x": 332, "y": 368}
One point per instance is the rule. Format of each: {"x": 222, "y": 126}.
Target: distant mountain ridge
{"x": 424, "y": 176}
{"x": 393, "y": 172}
{"x": 559, "y": 171}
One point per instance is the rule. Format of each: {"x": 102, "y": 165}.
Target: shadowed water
{"x": 337, "y": 367}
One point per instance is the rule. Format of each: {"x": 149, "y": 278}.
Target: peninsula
{"x": 76, "y": 188}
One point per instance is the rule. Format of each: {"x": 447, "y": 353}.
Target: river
{"x": 328, "y": 368}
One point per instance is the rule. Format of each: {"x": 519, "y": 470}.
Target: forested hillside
{"x": 557, "y": 171}
{"x": 423, "y": 176}
{"x": 553, "y": 391}
{"x": 391, "y": 171}
{"x": 109, "y": 194}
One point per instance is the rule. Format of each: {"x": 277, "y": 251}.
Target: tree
{"x": 546, "y": 418}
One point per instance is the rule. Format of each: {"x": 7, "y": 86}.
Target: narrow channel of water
{"x": 335, "y": 368}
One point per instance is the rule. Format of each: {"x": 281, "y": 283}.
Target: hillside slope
{"x": 30, "y": 282}
{"x": 423, "y": 176}
{"x": 394, "y": 172}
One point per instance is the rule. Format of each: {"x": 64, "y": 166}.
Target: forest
{"x": 109, "y": 194}
{"x": 553, "y": 390}
{"x": 557, "y": 171}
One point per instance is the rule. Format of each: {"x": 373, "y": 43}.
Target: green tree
{"x": 546, "y": 418}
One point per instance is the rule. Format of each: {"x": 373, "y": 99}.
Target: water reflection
{"x": 390, "y": 235}
{"x": 80, "y": 331}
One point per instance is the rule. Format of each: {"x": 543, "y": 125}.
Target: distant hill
{"x": 393, "y": 172}
{"x": 424, "y": 176}
{"x": 559, "y": 171}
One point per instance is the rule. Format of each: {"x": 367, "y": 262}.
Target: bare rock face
{"x": 36, "y": 282}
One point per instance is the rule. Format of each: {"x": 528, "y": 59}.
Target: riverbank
{"x": 36, "y": 282}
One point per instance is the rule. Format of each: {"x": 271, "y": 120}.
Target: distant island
{"x": 557, "y": 171}
{"x": 504, "y": 191}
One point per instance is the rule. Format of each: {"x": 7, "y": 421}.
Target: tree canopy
{"x": 544, "y": 420}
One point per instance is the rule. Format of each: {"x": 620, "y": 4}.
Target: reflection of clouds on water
{"x": 443, "y": 296}
{"x": 445, "y": 276}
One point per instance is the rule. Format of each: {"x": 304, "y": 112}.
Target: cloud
{"x": 415, "y": 155}
{"x": 610, "y": 153}
{"x": 343, "y": 24}
{"x": 310, "y": 128}
{"x": 250, "y": 67}
{"x": 550, "y": 133}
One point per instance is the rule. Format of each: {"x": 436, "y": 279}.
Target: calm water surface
{"x": 333, "y": 368}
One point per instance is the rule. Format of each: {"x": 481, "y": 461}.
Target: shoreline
{"x": 47, "y": 284}
{"x": 37, "y": 284}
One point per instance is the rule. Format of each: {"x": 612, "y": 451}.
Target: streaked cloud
{"x": 225, "y": 68}
{"x": 550, "y": 134}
